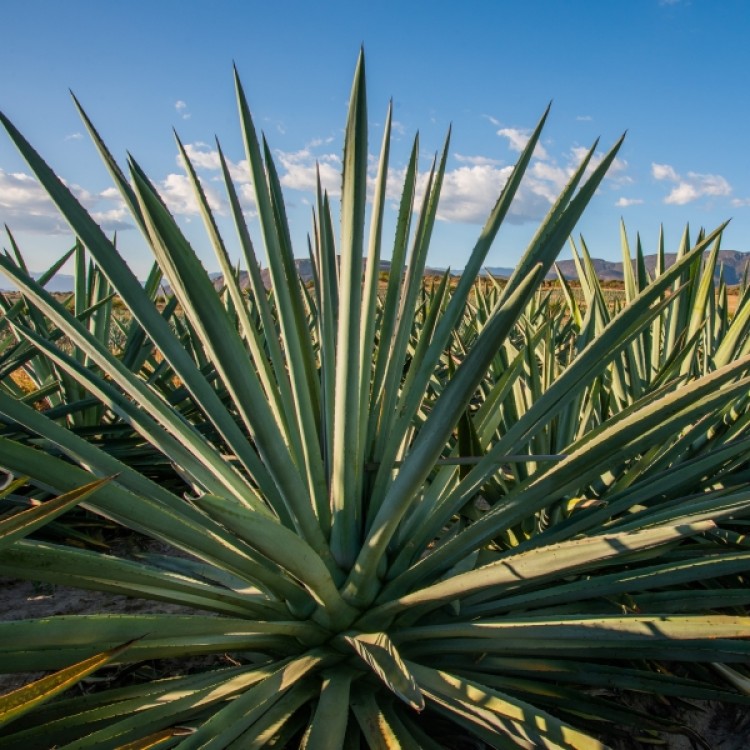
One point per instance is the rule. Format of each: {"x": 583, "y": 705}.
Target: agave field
{"x": 396, "y": 513}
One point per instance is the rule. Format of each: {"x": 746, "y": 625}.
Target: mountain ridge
{"x": 733, "y": 262}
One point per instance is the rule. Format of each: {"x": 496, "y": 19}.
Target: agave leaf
{"x": 70, "y": 718}
{"x": 380, "y": 727}
{"x": 327, "y": 269}
{"x": 347, "y": 458}
{"x": 305, "y": 382}
{"x": 154, "y": 740}
{"x": 24, "y": 699}
{"x": 387, "y": 327}
{"x": 531, "y": 568}
{"x": 135, "y": 297}
{"x": 282, "y": 546}
{"x": 561, "y": 218}
{"x": 628, "y": 583}
{"x": 740, "y": 681}
{"x": 24, "y": 523}
{"x": 156, "y": 513}
{"x": 185, "y": 442}
{"x": 67, "y": 566}
{"x": 169, "y": 708}
{"x": 390, "y": 421}
{"x": 611, "y": 636}
{"x": 327, "y": 729}
{"x": 528, "y": 726}
{"x": 281, "y": 719}
{"x": 113, "y": 168}
{"x": 379, "y": 653}
{"x": 635, "y": 429}
{"x": 431, "y": 440}
{"x": 372, "y": 275}
{"x": 571, "y": 704}
{"x": 705, "y": 290}
{"x": 293, "y": 328}
{"x": 731, "y": 344}
{"x": 583, "y": 672}
{"x": 202, "y": 305}
{"x": 390, "y": 411}
{"x": 69, "y": 639}
{"x": 247, "y": 328}
{"x": 230, "y": 722}
{"x": 416, "y": 731}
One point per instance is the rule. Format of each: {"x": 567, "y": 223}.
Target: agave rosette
{"x": 391, "y": 543}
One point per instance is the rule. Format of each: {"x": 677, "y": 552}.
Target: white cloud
{"x": 113, "y": 219}
{"x": 682, "y": 194}
{"x": 478, "y": 161}
{"x": 690, "y": 187}
{"x": 517, "y": 140}
{"x": 301, "y": 174}
{"x": 584, "y": 118}
{"x": 317, "y": 142}
{"x": 177, "y": 192}
{"x": 493, "y": 120}
{"x": 469, "y": 190}
{"x": 398, "y": 127}
{"x": 625, "y": 202}
{"x": 664, "y": 172}
{"x": 202, "y": 156}
{"x": 74, "y": 137}
{"x": 740, "y": 202}
{"x": 551, "y": 176}
{"x": 616, "y": 169}
{"x": 25, "y": 207}
{"x": 206, "y": 159}
{"x": 469, "y": 193}
{"x": 182, "y": 109}
{"x": 110, "y": 193}
{"x": 279, "y": 125}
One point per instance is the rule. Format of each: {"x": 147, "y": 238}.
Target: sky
{"x": 672, "y": 73}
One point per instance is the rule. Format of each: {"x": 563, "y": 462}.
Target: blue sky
{"x": 670, "y": 72}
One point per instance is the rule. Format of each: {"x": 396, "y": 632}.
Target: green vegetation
{"x": 407, "y": 512}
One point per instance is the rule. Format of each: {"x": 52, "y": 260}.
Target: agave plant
{"x": 353, "y": 529}
{"x": 28, "y": 374}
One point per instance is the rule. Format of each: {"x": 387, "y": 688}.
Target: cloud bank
{"x": 471, "y": 185}
{"x": 690, "y": 187}
{"x": 25, "y": 206}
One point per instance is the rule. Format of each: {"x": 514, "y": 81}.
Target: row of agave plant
{"x": 407, "y": 512}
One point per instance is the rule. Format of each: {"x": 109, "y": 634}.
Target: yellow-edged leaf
{"x": 21, "y": 701}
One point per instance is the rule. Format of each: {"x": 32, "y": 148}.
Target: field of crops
{"x": 401, "y": 512}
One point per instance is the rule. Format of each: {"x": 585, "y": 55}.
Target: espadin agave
{"x": 352, "y": 528}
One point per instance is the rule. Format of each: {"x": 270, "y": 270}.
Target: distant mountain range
{"x": 733, "y": 262}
